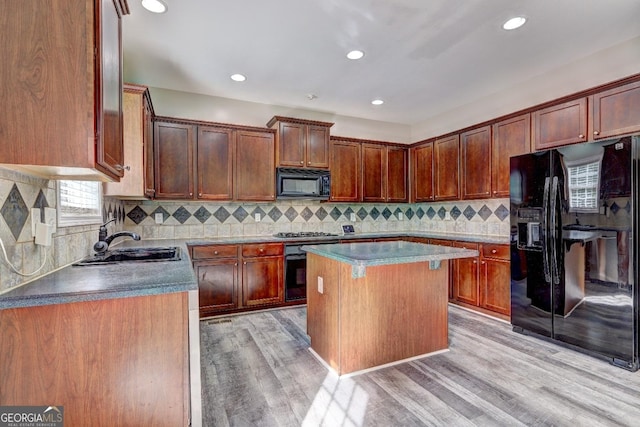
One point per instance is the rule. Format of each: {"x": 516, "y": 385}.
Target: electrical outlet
{"x": 159, "y": 218}
{"x": 352, "y": 217}
{"x": 400, "y": 216}
{"x": 447, "y": 216}
{"x": 35, "y": 220}
{"x": 320, "y": 285}
{"x": 258, "y": 217}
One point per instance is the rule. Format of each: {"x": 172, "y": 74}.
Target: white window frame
{"x": 87, "y": 210}
{"x": 583, "y": 196}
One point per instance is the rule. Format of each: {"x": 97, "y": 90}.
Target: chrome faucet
{"x": 102, "y": 245}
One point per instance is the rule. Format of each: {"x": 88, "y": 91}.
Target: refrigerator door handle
{"x": 553, "y": 230}
{"x": 545, "y": 230}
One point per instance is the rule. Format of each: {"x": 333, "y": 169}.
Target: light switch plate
{"x": 258, "y": 217}
{"x": 352, "y": 217}
{"x": 400, "y": 216}
{"x": 159, "y": 217}
{"x": 35, "y": 220}
{"x": 320, "y": 285}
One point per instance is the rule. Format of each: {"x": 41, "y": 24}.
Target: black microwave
{"x": 303, "y": 184}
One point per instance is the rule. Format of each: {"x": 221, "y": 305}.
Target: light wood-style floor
{"x": 257, "y": 371}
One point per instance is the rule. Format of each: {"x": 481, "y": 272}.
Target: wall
{"x": 196, "y": 220}
{"x": 19, "y": 193}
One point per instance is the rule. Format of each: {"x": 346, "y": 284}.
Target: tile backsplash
{"x": 18, "y": 194}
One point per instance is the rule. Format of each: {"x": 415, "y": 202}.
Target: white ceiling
{"x": 423, "y": 57}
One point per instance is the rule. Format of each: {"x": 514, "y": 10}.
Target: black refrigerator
{"x": 573, "y": 247}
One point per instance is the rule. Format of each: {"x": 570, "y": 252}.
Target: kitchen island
{"x": 373, "y": 304}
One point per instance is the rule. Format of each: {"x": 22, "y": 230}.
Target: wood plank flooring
{"x": 257, "y": 371}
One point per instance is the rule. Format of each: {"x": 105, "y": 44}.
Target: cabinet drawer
{"x": 496, "y": 251}
{"x": 263, "y": 249}
{"x": 465, "y": 245}
{"x": 217, "y": 251}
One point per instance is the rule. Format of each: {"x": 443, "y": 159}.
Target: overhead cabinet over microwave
{"x": 301, "y": 143}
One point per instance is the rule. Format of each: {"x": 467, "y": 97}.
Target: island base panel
{"x": 395, "y": 312}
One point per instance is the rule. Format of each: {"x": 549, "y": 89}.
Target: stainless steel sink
{"x": 132, "y": 255}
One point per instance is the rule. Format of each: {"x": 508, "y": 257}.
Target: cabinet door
{"x": 345, "y": 171}
{"x": 255, "y": 166}
{"x": 291, "y": 144}
{"x": 374, "y": 173}
{"x": 173, "y": 150}
{"x": 397, "y": 189}
{"x": 511, "y": 137}
{"x": 422, "y": 167}
{"x": 465, "y": 276}
{"x": 262, "y": 282}
{"x": 317, "y": 147}
{"x": 446, "y": 168}
{"x": 109, "y": 148}
{"x": 475, "y": 163}
{"x": 495, "y": 285}
{"x": 560, "y": 124}
{"x": 217, "y": 285}
{"x": 215, "y": 149}
{"x": 616, "y": 111}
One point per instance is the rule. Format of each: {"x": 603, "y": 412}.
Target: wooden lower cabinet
{"x": 495, "y": 279}
{"x": 465, "y": 276}
{"x": 112, "y": 362}
{"x": 225, "y": 287}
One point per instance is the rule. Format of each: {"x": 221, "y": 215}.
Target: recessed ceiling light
{"x": 355, "y": 54}
{"x": 238, "y": 77}
{"x": 155, "y": 6}
{"x": 514, "y": 23}
{"x": 377, "y": 102}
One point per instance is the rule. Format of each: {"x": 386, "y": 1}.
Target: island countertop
{"x": 363, "y": 255}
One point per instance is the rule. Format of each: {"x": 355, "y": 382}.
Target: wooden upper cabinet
{"x": 560, "y": 124}
{"x": 422, "y": 173}
{"x": 475, "y": 163}
{"x": 255, "y": 171}
{"x": 511, "y": 137}
{"x": 62, "y": 111}
{"x": 345, "y": 171}
{"x": 374, "y": 173}
{"x": 446, "y": 153}
{"x": 301, "y": 143}
{"x": 397, "y": 170}
{"x": 214, "y": 156}
{"x": 615, "y": 112}
{"x": 138, "y": 137}
{"x": 173, "y": 152}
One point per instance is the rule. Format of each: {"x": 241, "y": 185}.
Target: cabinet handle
{"x": 482, "y": 262}
{"x": 493, "y": 251}
{"x": 475, "y": 262}
{"x": 150, "y": 190}
{"x": 302, "y": 162}
{"x": 191, "y": 194}
{"x": 261, "y": 250}
{"x": 199, "y": 194}
{"x": 595, "y": 132}
{"x": 581, "y": 136}
{"x": 245, "y": 263}
{"x": 236, "y": 264}
{"x": 215, "y": 252}
{"x": 122, "y": 168}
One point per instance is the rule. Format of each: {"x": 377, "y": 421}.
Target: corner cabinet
{"x": 202, "y": 161}
{"x": 301, "y": 143}
{"x": 137, "y": 182}
{"x": 58, "y": 120}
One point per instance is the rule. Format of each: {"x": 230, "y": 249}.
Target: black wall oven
{"x": 295, "y": 270}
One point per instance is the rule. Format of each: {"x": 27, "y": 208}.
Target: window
{"x": 583, "y": 184}
{"x": 79, "y": 203}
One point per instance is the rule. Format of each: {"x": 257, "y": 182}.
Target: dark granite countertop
{"x": 96, "y": 282}
{"x": 363, "y": 255}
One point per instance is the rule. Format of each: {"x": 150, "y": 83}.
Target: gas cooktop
{"x": 303, "y": 234}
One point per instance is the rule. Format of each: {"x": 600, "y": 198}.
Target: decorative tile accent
{"x": 442, "y": 212}
{"x": 485, "y": 212}
{"x": 15, "y": 211}
{"x": 137, "y": 215}
{"x": 627, "y": 207}
{"x": 469, "y": 212}
{"x": 321, "y": 213}
{"x": 409, "y": 213}
{"x": 431, "y": 212}
{"x": 41, "y": 202}
{"x": 397, "y": 212}
{"x": 386, "y": 213}
{"x": 181, "y": 214}
{"x": 275, "y": 214}
{"x": 502, "y": 212}
{"x": 202, "y": 214}
{"x": 420, "y": 213}
{"x": 362, "y": 213}
{"x": 291, "y": 214}
{"x": 335, "y": 214}
{"x": 306, "y": 213}
{"x": 120, "y": 213}
{"x": 240, "y": 214}
{"x": 375, "y": 213}
{"x": 455, "y": 212}
{"x": 221, "y": 214}
{"x": 614, "y": 208}
{"x": 163, "y": 211}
